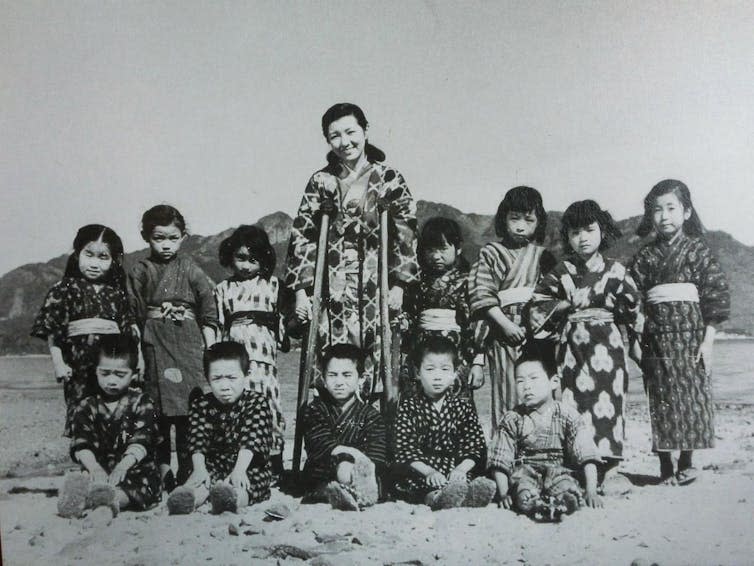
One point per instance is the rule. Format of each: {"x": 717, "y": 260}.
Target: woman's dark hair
{"x": 691, "y": 227}
{"x": 93, "y": 233}
{"x": 581, "y": 214}
{"x": 226, "y": 351}
{"x": 161, "y": 215}
{"x": 256, "y": 240}
{"x": 435, "y": 233}
{"x": 341, "y": 110}
{"x": 523, "y": 200}
{"x": 119, "y": 347}
{"x": 344, "y": 351}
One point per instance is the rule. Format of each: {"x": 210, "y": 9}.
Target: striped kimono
{"x": 504, "y": 276}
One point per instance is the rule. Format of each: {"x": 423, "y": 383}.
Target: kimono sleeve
{"x": 375, "y": 433}
{"x": 403, "y": 262}
{"x": 145, "y": 431}
{"x": 256, "y": 430}
{"x": 714, "y": 295}
{"x": 468, "y": 346}
{"x": 84, "y": 434}
{"x": 302, "y": 248}
{"x": 471, "y": 442}
{"x": 485, "y": 280}
{"x": 502, "y": 452}
{"x": 218, "y": 295}
{"x": 199, "y": 426}
{"x": 628, "y": 305}
{"x": 579, "y": 442}
{"x": 126, "y": 318}
{"x": 319, "y": 436}
{"x": 407, "y": 434}
{"x": 638, "y": 270}
{"x": 543, "y": 320}
{"x": 203, "y": 288}
{"x": 136, "y": 283}
{"x": 53, "y": 316}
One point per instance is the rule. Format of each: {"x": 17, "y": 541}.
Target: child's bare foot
{"x": 72, "y": 500}
{"x": 686, "y": 476}
{"x": 102, "y": 494}
{"x": 181, "y": 501}
{"x": 222, "y": 497}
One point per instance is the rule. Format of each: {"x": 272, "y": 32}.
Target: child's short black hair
{"x": 258, "y": 243}
{"x": 344, "y": 352}
{"x": 434, "y": 344}
{"x": 226, "y": 351}
{"x": 691, "y": 227}
{"x": 524, "y": 200}
{"x": 119, "y": 347}
{"x": 539, "y": 352}
{"x": 435, "y": 233}
{"x": 161, "y": 215}
{"x": 581, "y": 214}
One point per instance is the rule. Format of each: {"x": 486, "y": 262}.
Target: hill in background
{"x": 23, "y": 289}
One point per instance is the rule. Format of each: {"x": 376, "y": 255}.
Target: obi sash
{"x": 438, "y": 319}
{"x": 515, "y": 296}
{"x": 84, "y": 326}
{"x": 591, "y": 315}
{"x": 673, "y": 292}
{"x": 170, "y": 311}
{"x": 262, "y": 318}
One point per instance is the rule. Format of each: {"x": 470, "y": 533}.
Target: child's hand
{"x": 395, "y": 298}
{"x": 705, "y": 353}
{"x": 118, "y": 474}
{"x": 458, "y": 475}
{"x": 592, "y": 499}
{"x": 476, "y": 377}
{"x": 512, "y": 332}
{"x": 436, "y": 480}
{"x": 505, "y": 501}
{"x": 63, "y": 371}
{"x": 635, "y": 353}
{"x": 140, "y": 367}
{"x": 199, "y": 477}
{"x": 303, "y": 306}
{"x": 98, "y": 474}
{"x": 239, "y": 480}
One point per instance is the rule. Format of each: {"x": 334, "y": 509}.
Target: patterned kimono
{"x": 220, "y": 431}
{"x": 504, "y": 275}
{"x": 172, "y": 302}
{"x": 679, "y": 389}
{"x": 110, "y": 433}
{"x": 591, "y": 357}
{"x": 71, "y": 300}
{"x": 326, "y": 426}
{"x": 441, "y": 439}
{"x": 248, "y": 314}
{"x": 351, "y": 305}
{"x": 539, "y": 452}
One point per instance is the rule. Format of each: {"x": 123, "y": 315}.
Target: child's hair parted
{"x": 535, "y": 352}
{"x": 94, "y": 233}
{"x": 691, "y": 227}
{"x": 119, "y": 347}
{"x": 581, "y": 214}
{"x": 161, "y": 215}
{"x": 341, "y": 110}
{"x": 524, "y": 200}
{"x": 344, "y": 351}
{"x": 258, "y": 243}
{"x": 436, "y": 233}
{"x": 226, "y": 351}
{"x": 434, "y": 344}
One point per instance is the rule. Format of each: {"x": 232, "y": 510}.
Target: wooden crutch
{"x": 390, "y": 383}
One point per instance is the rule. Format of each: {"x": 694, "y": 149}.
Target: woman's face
{"x": 347, "y": 139}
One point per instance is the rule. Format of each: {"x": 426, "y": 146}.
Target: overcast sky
{"x": 107, "y": 108}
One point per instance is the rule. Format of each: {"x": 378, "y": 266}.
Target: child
{"x": 114, "y": 434}
{"x": 345, "y": 438}
{"x": 537, "y": 446}
{"x": 438, "y": 441}
{"x": 686, "y": 296}
{"x": 438, "y": 304}
{"x": 231, "y": 428}
{"x": 247, "y": 306}
{"x": 501, "y": 283}
{"x": 582, "y": 300}
{"x": 89, "y": 302}
{"x": 173, "y": 301}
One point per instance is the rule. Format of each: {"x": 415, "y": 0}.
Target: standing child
{"x": 174, "y": 305}
{"x": 582, "y": 300}
{"x": 540, "y": 444}
{"x": 344, "y": 437}
{"x": 114, "y": 435}
{"x": 438, "y": 442}
{"x": 247, "y": 306}
{"x": 90, "y": 301}
{"x": 438, "y": 304}
{"x": 686, "y": 295}
{"x": 231, "y": 428}
{"x": 501, "y": 283}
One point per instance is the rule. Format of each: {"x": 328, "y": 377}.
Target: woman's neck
{"x": 354, "y": 167}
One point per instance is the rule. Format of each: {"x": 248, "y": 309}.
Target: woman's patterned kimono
{"x": 248, "y": 314}
{"x": 70, "y": 300}
{"x": 172, "y": 301}
{"x": 504, "y": 275}
{"x": 351, "y": 305}
{"x": 591, "y": 357}
{"x": 109, "y": 433}
{"x": 679, "y": 389}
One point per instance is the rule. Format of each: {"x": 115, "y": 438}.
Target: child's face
{"x": 441, "y": 258}
{"x": 226, "y": 380}
{"x": 436, "y": 374}
{"x": 533, "y": 386}
{"x": 669, "y": 215}
{"x": 521, "y": 225}
{"x": 165, "y": 241}
{"x": 114, "y": 375}
{"x": 245, "y": 265}
{"x": 341, "y": 379}
{"x": 585, "y": 241}
{"x": 95, "y": 260}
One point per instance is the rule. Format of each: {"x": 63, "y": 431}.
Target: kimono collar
{"x": 348, "y": 175}
{"x": 594, "y": 264}
{"x": 514, "y": 243}
{"x": 677, "y": 239}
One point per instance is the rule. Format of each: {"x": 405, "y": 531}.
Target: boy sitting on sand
{"x": 114, "y": 434}
{"x": 229, "y": 436}
{"x": 536, "y": 441}
{"x": 438, "y": 441}
{"x": 345, "y": 438}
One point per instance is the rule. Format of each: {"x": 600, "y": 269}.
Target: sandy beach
{"x": 708, "y": 522}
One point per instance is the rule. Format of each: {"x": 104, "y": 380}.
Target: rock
{"x": 232, "y": 529}
{"x": 33, "y": 541}
{"x": 278, "y": 512}
{"x": 320, "y": 561}
{"x": 287, "y": 550}
{"x": 331, "y": 537}
{"x": 217, "y": 533}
